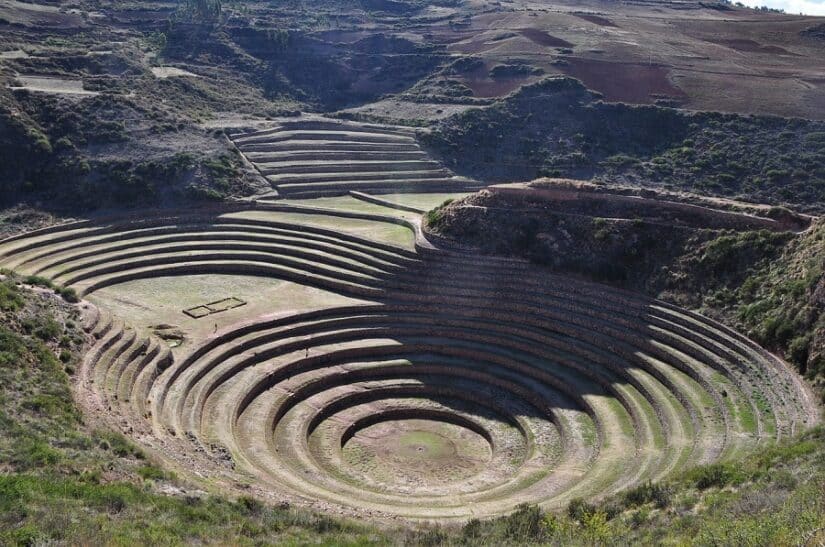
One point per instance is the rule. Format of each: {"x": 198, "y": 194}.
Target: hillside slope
{"x": 557, "y": 127}
{"x": 117, "y": 105}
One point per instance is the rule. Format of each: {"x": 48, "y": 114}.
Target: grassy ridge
{"x": 36, "y": 508}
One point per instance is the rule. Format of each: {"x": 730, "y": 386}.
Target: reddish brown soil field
{"x": 627, "y": 82}
{"x": 708, "y": 59}
{"x": 596, "y": 19}
{"x": 487, "y": 87}
{"x": 483, "y": 86}
{"x": 542, "y": 38}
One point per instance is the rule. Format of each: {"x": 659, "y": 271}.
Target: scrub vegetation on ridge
{"x": 558, "y": 128}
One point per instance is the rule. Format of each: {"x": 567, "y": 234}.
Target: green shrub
{"x": 777, "y": 331}
{"x": 250, "y": 505}
{"x": 36, "y": 453}
{"x": 717, "y": 475}
{"x": 648, "y": 493}
{"x": 150, "y": 472}
{"x": 595, "y": 527}
{"x": 799, "y": 350}
{"x": 117, "y": 443}
{"x": 435, "y": 216}
{"x": 40, "y": 141}
{"x": 37, "y": 281}
{"x": 202, "y": 193}
{"x": 526, "y": 524}
{"x": 640, "y": 517}
{"x": 578, "y": 509}
{"x": 45, "y": 404}
{"x": 221, "y": 167}
{"x": 472, "y": 531}
{"x": 68, "y": 294}
{"x": 784, "y": 479}
{"x": 64, "y": 143}
{"x": 10, "y": 298}
{"x": 44, "y": 328}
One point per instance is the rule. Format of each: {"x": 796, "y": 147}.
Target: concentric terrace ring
{"x": 463, "y": 387}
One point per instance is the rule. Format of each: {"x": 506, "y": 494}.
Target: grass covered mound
{"x": 78, "y": 156}
{"x": 771, "y": 287}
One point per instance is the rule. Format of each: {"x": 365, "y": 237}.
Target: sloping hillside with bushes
{"x": 558, "y": 128}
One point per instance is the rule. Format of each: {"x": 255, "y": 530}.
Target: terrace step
{"x": 348, "y": 166}
{"x": 265, "y": 158}
{"x": 326, "y": 135}
{"x": 347, "y": 154}
{"x": 307, "y": 178}
{"x": 327, "y": 125}
{"x": 318, "y": 189}
{"x": 280, "y": 336}
{"x": 327, "y": 146}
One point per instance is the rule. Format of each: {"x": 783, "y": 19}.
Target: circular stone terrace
{"x": 335, "y": 358}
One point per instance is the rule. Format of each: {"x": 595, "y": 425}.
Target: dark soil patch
{"x": 485, "y": 82}
{"x": 499, "y": 72}
{"x": 817, "y": 32}
{"x": 624, "y": 82}
{"x": 596, "y": 19}
{"x": 389, "y": 6}
{"x": 542, "y": 38}
{"x": 486, "y": 87}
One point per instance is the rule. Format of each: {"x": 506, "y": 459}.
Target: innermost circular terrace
{"x": 417, "y": 451}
